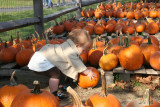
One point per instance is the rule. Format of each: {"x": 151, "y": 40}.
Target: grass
{"x": 21, "y": 3}
{"x": 27, "y": 14}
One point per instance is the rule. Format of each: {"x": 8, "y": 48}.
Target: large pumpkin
{"x": 9, "y": 92}
{"x": 154, "y": 40}
{"x": 128, "y": 57}
{"x": 58, "y": 28}
{"x": 103, "y": 99}
{"x": 155, "y": 60}
{"x": 148, "y": 49}
{"x": 85, "y": 82}
{"x": 35, "y": 98}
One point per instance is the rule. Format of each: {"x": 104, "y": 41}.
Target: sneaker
{"x": 60, "y": 94}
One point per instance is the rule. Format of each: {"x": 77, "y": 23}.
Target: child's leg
{"x": 53, "y": 84}
{"x": 54, "y": 75}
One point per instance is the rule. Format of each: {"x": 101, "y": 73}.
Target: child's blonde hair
{"x": 79, "y": 36}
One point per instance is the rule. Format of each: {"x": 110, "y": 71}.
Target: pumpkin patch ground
{"x": 125, "y": 92}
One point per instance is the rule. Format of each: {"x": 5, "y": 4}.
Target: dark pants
{"x": 51, "y": 73}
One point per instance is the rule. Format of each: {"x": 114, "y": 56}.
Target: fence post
{"x": 79, "y": 3}
{"x": 38, "y": 12}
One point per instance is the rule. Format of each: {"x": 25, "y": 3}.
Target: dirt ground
{"x": 124, "y": 95}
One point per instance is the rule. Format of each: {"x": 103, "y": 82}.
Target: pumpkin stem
{"x": 47, "y": 41}
{"x": 36, "y": 89}
{"x": 129, "y": 38}
{"x": 104, "y": 92}
{"x": 149, "y": 40}
{"x": 75, "y": 97}
{"x": 126, "y": 42}
{"x": 147, "y": 98}
{"x": 37, "y": 35}
{"x": 5, "y": 45}
{"x": 12, "y": 80}
{"x": 120, "y": 43}
{"x": 117, "y": 34}
{"x": 14, "y": 42}
{"x": 94, "y": 44}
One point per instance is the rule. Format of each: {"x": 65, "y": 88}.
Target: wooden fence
{"x": 38, "y": 20}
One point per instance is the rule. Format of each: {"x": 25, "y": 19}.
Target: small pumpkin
{"x": 8, "y": 54}
{"x": 108, "y": 61}
{"x": 58, "y": 28}
{"x": 152, "y": 28}
{"x": 23, "y": 56}
{"x": 85, "y": 82}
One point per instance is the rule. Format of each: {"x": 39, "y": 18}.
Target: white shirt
{"x": 39, "y": 63}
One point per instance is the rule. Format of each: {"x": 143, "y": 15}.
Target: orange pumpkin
{"x": 108, "y": 61}
{"x": 155, "y": 60}
{"x": 23, "y": 57}
{"x": 85, "y": 82}
{"x": 58, "y": 28}
{"x": 152, "y": 28}
{"x": 154, "y": 40}
{"x": 8, "y": 54}
{"x": 95, "y": 54}
{"x": 128, "y": 59}
{"x": 148, "y": 49}
{"x": 9, "y": 92}
{"x": 84, "y": 55}
{"x": 99, "y": 29}
{"x": 35, "y": 98}
{"x": 103, "y": 99}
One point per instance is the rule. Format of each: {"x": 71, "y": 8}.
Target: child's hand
{"x": 90, "y": 74}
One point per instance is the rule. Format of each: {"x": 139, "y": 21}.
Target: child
{"x": 52, "y": 60}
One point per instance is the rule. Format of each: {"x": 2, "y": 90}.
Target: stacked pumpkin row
{"x": 128, "y": 10}
{"x": 22, "y": 50}
{"x": 110, "y": 26}
{"x": 131, "y": 55}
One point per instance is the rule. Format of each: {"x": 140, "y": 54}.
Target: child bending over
{"x": 54, "y": 60}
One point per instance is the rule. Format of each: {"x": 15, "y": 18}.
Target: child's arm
{"x": 90, "y": 74}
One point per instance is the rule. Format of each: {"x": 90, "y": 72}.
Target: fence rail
{"x": 10, "y": 25}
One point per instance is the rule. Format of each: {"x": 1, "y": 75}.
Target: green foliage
{"x": 116, "y": 77}
{"x": 136, "y": 84}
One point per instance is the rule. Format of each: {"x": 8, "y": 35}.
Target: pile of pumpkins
{"x": 131, "y": 52}
{"x": 109, "y": 26}
{"x": 22, "y": 50}
{"x": 128, "y": 10}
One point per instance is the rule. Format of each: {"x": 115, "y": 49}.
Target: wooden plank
{"x": 9, "y": 65}
{"x": 14, "y": 24}
{"x": 38, "y": 12}
{"x": 139, "y": 71}
{"x": 152, "y": 71}
{"x": 118, "y": 70}
{"x": 86, "y": 3}
{"x": 58, "y": 14}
